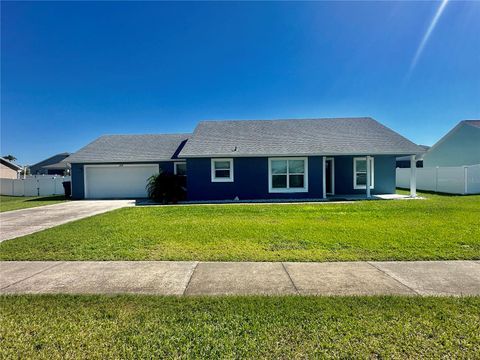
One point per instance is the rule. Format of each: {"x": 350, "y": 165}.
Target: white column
{"x": 369, "y": 180}
{"x": 324, "y": 176}
{"x": 413, "y": 176}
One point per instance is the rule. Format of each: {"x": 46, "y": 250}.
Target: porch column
{"x": 369, "y": 180}
{"x": 324, "y": 176}
{"x": 413, "y": 176}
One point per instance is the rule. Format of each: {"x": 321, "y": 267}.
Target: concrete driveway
{"x": 27, "y": 221}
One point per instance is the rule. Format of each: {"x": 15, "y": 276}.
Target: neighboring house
{"x": 248, "y": 160}
{"x": 54, "y": 165}
{"x": 404, "y": 161}
{"x": 8, "y": 169}
{"x": 459, "y": 147}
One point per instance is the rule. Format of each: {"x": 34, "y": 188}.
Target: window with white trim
{"x": 180, "y": 168}
{"x": 288, "y": 175}
{"x": 360, "y": 173}
{"x": 222, "y": 170}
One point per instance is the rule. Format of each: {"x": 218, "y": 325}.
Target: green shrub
{"x": 166, "y": 188}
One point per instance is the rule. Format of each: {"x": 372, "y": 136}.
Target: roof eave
{"x": 120, "y": 161}
{"x": 405, "y": 153}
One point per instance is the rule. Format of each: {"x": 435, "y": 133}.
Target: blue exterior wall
{"x": 78, "y": 186}
{"x": 251, "y": 179}
{"x": 384, "y": 175}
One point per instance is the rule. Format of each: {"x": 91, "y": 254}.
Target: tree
{"x": 10, "y": 158}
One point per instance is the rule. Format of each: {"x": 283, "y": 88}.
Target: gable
{"x": 461, "y": 146}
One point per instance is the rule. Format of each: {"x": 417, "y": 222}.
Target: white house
{"x": 459, "y": 147}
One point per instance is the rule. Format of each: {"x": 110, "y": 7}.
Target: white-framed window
{"x": 360, "y": 173}
{"x": 222, "y": 170}
{"x": 180, "y": 168}
{"x": 288, "y": 174}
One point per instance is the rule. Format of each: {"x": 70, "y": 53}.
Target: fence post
{"x": 465, "y": 178}
{"x": 413, "y": 176}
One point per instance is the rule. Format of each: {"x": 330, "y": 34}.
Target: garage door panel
{"x": 127, "y": 181}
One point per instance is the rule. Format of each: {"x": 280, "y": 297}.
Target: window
{"x": 180, "y": 168}
{"x": 222, "y": 170}
{"x": 288, "y": 175}
{"x": 360, "y": 173}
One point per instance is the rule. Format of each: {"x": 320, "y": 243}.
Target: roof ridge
{"x": 151, "y": 134}
{"x": 290, "y": 119}
{"x": 317, "y": 136}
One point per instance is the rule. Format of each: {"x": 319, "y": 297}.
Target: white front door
{"x": 117, "y": 181}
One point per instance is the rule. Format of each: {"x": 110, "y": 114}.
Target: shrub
{"x": 166, "y": 188}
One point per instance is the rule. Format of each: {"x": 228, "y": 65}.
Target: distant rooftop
{"x": 10, "y": 164}
{"x": 475, "y": 123}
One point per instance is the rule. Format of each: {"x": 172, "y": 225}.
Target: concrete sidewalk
{"x": 27, "y": 221}
{"x": 240, "y": 278}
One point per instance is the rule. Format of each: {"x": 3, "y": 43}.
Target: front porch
{"x": 363, "y": 177}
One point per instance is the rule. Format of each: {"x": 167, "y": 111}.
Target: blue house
{"x": 249, "y": 160}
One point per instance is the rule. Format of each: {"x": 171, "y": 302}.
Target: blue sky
{"x": 71, "y": 72}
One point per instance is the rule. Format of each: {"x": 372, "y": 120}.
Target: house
{"x": 54, "y": 165}
{"x": 459, "y": 147}
{"x": 8, "y": 169}
{"x": 248, "y": 160}
{"x": 404, "y": 161}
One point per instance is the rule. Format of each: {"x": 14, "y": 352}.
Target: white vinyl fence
{"x": 452, "y": 180}
{"x": 38, "y": 185}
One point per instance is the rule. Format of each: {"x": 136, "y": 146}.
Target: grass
{"x": 122, "y": 327}
{"x": 441, "y": 227}
{"x": 8, "y": 203}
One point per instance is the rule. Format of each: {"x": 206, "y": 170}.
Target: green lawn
{"x": 122, "y": 327}
{"x": 8, "y": 203}
{"x": 441, "y": 227}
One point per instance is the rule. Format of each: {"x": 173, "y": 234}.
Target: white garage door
{"x": 118, "y": 181}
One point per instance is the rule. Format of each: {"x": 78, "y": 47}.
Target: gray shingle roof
{"x": 59, "y": 165}
{"x": 341, "y": 136}
{"x": 51, "y": 160}
{"x": 419, "y": 156}
{"x": 130, "y": 148}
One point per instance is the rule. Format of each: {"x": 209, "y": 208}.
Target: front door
{"x": 329, "y": 176}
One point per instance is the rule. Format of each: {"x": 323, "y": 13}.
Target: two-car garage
{"x": 117, "y": 181}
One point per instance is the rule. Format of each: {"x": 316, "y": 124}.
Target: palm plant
{"x": 165, "y": 188}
